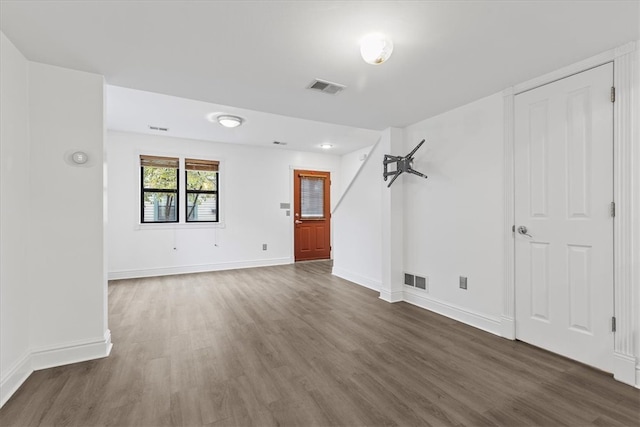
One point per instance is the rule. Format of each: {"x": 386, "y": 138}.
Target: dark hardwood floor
{"x": 295, "y": 346}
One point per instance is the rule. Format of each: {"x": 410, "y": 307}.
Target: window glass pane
{"x": 202, "y": 207}
{"x": 312, "y": 197}
{"x": 160, "y": 178}
{"x": 202, "y": 180}
{"x": 159, "y": 207}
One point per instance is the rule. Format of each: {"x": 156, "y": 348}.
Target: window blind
{"x": 159, "y": 162}
{"x": 201, "y": 165}
{"x": 312, "y": 197}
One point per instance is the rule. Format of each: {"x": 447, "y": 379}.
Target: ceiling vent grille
{"x": 158, "y": 128}
{"x": 279, "y": 143}
{"x": 326, "y": 87}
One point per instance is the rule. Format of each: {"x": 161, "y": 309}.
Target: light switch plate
{"x": 463, "y": 282}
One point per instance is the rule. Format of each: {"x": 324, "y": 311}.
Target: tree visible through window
{"x": 159, "y": 189}
{"x": 202, "y": 190}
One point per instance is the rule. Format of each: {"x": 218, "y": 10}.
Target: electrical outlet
{"x": 463, "y": 282}
{"x": 264, "y": 246}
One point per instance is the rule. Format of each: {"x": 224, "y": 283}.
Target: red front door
{"x": 312, "y": 218}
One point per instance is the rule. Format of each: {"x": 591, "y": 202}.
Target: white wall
{"x": 253, "y": 183}
{"x": 14, "y": 221}
{"x": 453, "y": 221}
{"x": 66, "y": 225}
{"x": 451, "y": 224}
{"x": 357, "y": 225}
{"x": 350, "y": 164}
{"x": 53, "y": 293}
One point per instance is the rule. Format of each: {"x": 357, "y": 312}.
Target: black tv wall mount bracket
{"x": 403, "y": 164}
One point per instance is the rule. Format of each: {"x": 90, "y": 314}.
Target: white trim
{"x": 624, "y": 369}
{"x": 357, "y": 278}
{"x": 353, "y": 180}
{"x": 478, "y": 320}
{"x": 200, "y": 268}
{"x": 396, "y": 296}
{"x": 626, "y": 183}
{"x": 567, "y": 71}
{"x": 508, "y": 289}
{"x": 80, "y": 351}
{"x": 178, "y": 225}
{"x": 508, "y": 327}
{"x": 52, "y": 356}
{"x": 17, "y": 374}
{"x": 626, "y": 230}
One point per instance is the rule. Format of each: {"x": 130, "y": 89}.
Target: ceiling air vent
{"x": 326, "y": 87}
{"x": 279, "y": 143}
{"x": 158, "y": 128}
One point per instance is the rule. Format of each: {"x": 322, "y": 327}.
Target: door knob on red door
{"x": 298, "y": 221}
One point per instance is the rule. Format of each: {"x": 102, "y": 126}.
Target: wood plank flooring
{"x": 295, "y": 346}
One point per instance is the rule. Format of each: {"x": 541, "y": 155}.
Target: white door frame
{"x": 626, "y": 234}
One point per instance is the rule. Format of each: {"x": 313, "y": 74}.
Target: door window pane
{"x": 312, "y": 197}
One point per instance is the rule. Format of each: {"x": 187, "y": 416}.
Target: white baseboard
{"x": 201, "y": 268}
{"x": 395, "y": 296}
{"x": 356, "y": 278}
{"x": 80, "y": 351}
{"x": 13, "y": 379}
{"x": 624, "y": 369}
{"x": 50, "y": 357}
{"x": 508, "y": 327}
{"x": 481, "y": 321}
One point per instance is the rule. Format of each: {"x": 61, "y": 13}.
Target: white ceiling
{"x": 133, "y": 110}
{"x": 258, "y": 56}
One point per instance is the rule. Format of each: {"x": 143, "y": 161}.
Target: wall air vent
{"x": 409, "y": 279}
{"x": 158, "y": 128}
{"x": 326, "y": 87}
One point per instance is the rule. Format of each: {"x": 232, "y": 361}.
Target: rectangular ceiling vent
{"x": 326, "y": 87}
{"x": 279, "y": 143}
{"x": 158, "y": 128}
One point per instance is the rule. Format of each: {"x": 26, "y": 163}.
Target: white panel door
{"x": 563, "y": 194}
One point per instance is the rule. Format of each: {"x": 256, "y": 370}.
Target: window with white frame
{"x": 160, "y": 190}
{"x": 201, "y": 178}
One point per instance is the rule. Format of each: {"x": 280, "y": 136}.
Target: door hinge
{"x": 613, "y": 324}
{"x": 613, "y": 209}
{"x": 613, "y": 94}
{"x": 513, "y": 228}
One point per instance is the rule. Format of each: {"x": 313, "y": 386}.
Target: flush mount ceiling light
{"x": 326, "y": 146}
{"x": 230, "y": 121}
{"x": 375, "y": 48}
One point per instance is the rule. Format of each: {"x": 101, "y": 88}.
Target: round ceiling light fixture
{"x": 326, "y": 146}
{"x": 230, "y": 121}
{"x": 375, "y": 48}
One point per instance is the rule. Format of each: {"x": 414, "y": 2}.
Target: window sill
{"x": 179, "y": 226}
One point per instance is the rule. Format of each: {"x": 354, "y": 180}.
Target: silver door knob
{"x": 523, "y": 230}
{"x": 298, "y": 221}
